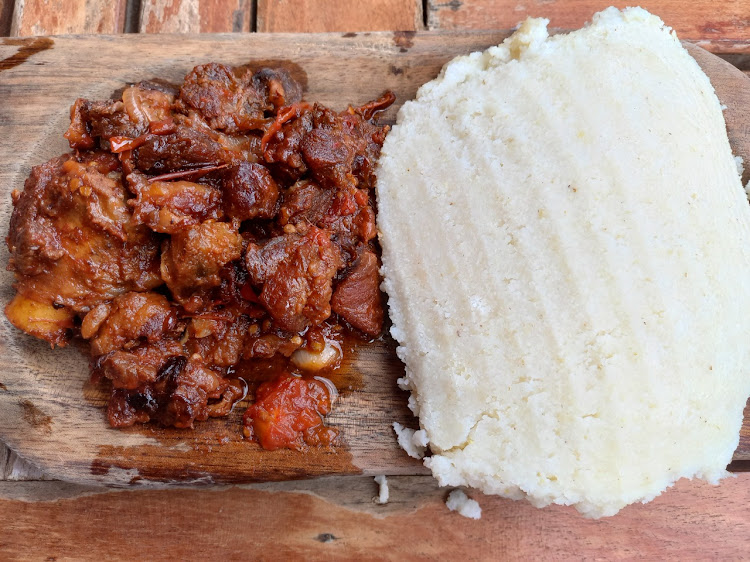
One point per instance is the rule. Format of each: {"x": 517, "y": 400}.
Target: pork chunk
{"x": 357, "y": 298}
{"x": 193, "y": 258}
{"x": 295, "y": 272}
{"x": 71, "y": 238}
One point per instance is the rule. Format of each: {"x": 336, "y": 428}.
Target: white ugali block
{"x": 566, "y": 251}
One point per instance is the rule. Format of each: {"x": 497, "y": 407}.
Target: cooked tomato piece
{"x": 288, "y": 414}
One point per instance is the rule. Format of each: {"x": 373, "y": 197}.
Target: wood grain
{"x": 53, "y": 17}
{"x": 721, "y": 26}
{"x": 49, "y": 412}
{"x": 341, "y": 15}
{"x": 196, "y": 16}
{"x": 336, "y": 519}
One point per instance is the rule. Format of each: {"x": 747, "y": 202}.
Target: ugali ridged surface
{"x": 566, "y": 254}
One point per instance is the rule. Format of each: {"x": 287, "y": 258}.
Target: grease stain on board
{"x": 215, "y": 450}
{"x": 98, "y": 468}
{"x": 235, "y": 462}
{"x": 294, "y": 69}
{"x": 35, "y": 417}
{"x": 28, "y": 48}
{"x": 404, "y": 40}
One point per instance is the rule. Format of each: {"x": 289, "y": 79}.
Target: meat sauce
{"x": 194, "y": 231}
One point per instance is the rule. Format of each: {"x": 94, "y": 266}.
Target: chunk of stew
{"x": 196, "y": 228}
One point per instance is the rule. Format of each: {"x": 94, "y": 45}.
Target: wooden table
{"x": 338, "y": 518}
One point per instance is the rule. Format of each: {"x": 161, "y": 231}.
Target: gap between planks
{"x": 6, "y": 15}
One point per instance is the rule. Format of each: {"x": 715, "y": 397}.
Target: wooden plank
{"x": 43, "y": 381}
{"x": 54, "y": 17}
{"x": 340, "y": 15}
{"x": 52, "y": 415}
{"x": 721, "y": 26}
{"x": 338, "y": 520}
{"x": 196, "y": 16}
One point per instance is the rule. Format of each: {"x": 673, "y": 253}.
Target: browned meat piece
{"x": 358, "y": 122}
{"x": 183, "y": 149}
{"x": 329, "y": 152}
{"x": 179, "y": 396}
{"x": 107, "y": 119}
{"x": 79, "y": 133}
{"x": 278, "y": 87}
{"x": 147, "y": 103}
{"x": 242, "y": 146}
{"x": 171, "y": 206}
{"x": 341, "y": 149}
{"x": 250, "y": 192}
{"x": 283, "y": 146}
{"x": 227, "y": 102}
{"x": 219, "y": 342}
{"x": 265, "y": 346}
{"x": 141, "y": 105}
{"x": 346, "y": 213}
{"x": 192, "y": 389}
{"x": 351, "y": 219}
{"x": 138, "y": 366}
{"x": 306, "y": 202}
{"x": 295, "y": 272}
{"x": 71, "y": 239}
{"x": 130, "y": 319}
{"x": 193, "y": 258}
{"x": 357, "y": 298}
{"x": 129, "y": 407}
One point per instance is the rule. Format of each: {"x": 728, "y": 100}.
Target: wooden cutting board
{"x": 49, "y": 412}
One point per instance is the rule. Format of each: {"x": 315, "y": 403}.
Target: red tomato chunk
{"x": 288, "y": 413}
